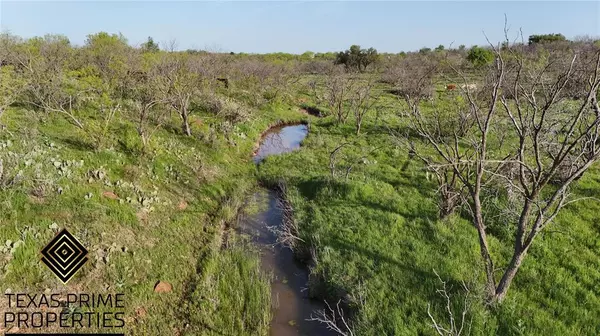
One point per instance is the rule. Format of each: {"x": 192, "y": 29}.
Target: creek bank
{"x": 290, "y": 304}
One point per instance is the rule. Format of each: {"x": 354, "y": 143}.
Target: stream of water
{"x": 290, "y": 304}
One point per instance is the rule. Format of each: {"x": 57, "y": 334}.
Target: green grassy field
{"x": 144, "y": 218}
{"x": 372, "y": 239}
{"x": 376, "y": 242}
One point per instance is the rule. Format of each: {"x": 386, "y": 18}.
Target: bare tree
{"x": 335, "y": 93}
{"x": 264, "y": 81}
{"x": 362, "y": 102}
{"x": 49, "y": 86}
{"x": 11, "y": 86}
{"x": 148, "y": 92}
{"x": 525, "y": 139}
{"x": 184, "y": 82}
{"x": 170, "y": 45}
{"x": 412, "y": 76}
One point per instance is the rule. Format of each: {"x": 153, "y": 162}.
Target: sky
{"x": 298, "y": 26}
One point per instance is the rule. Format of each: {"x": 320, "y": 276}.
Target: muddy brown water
{"x": 291, "y": 307}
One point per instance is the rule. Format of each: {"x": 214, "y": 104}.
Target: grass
{"x": 377, "y": 243}
{"x": 376, "y": 238}
{"x": 166, "y": 224}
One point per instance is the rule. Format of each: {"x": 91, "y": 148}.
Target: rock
{"x": 110, "y": 194}
{"x": 140, "y": 312}
{"x": 162, "y": 287}
{"x": 182, "y": 205}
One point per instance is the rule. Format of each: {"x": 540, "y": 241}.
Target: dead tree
{"x": 335, "y": 93}
{"x": 546, "y": 133}
{"x": 361, "y": 102}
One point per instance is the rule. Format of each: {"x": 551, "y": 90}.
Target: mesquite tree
{"x": 148, "y": 93}
{"x": 11, "y": 86}
{"x": 184, "y": 82}
{"x": 51, "y": 86}
{"x": 11, "y": 83}
{"x": 520, "y": 134}
{"x": 362, "y": 101}
{"x": 335, "y": 93}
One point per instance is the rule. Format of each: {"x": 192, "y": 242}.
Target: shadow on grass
{"x": 78, "y": 144}
{"x": 312, "y": 188}
{"x": 312, "y": 110}
{"x": 128, "y": 150}
{"x": 411, "y": 279}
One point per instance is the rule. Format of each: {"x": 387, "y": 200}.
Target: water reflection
{"x": 280, "y": 140}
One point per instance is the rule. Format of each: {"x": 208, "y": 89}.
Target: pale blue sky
{"x": 297, "y": 26}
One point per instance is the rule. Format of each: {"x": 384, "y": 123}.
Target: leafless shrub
{"x": 287, "y": 233}
{"x": 412, "y": 76}
{"x": 233, "y": 111}
{"x": 348, "y": 160}
{"x": 266, "y": 81}
{"x": 317, "y": 67}
{"x": 458, "y": 324}
{"x": 362, "y": 101}
{"x": 147, "y": 93}
{"x": 335, "y": 92}
{"x": 208, "y": 101}
{"x": 183, "y": 82}
{"x": 334, "y": 319}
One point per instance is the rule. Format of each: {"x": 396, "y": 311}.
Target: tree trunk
{"x": 484, "y": 248}
{"x": 520, "y": 250}
{"x": 509, "y": 275}
{"x": 185, "y": 127}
